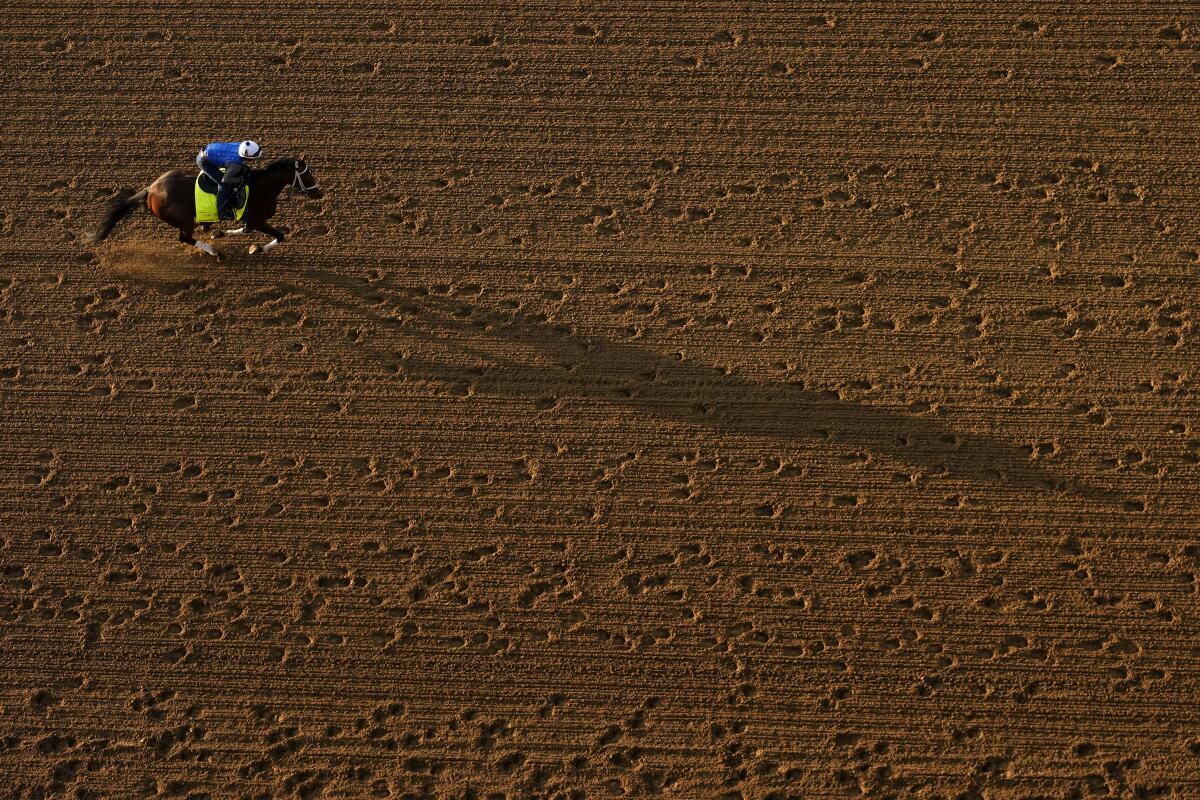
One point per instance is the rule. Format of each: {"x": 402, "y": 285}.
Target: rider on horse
{"x": 233, "y": 157}
{"x": 172, "y": 196}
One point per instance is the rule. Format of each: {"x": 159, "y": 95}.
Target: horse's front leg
{"x": 275, "y": 234}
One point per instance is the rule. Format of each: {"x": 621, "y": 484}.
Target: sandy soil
{"x": 694, "y": 401}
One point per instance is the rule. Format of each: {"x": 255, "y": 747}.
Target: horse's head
{"x": 305, "y": 181}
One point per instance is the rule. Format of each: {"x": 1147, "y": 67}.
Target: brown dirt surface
{"x": 686, "y": 399}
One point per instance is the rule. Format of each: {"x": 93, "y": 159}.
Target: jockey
{"x": 233, "y": 158}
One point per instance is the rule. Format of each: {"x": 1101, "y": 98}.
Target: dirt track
{"x": 696, "y": 401}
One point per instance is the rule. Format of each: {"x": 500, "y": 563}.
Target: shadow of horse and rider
{"x": 676, "y": 388}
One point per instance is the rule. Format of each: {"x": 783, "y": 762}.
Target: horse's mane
{"x": 279, "y": 163}
{"x": 274, "y": 168}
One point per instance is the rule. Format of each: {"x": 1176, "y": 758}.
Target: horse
{"x": 172, "y": 199}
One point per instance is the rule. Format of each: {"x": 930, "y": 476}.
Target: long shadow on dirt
{"x": 674, "y": 388}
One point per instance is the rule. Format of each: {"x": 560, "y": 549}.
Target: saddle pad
{"x": 206, "y": 205}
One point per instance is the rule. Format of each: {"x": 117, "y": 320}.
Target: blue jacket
{"x": 222, "y": 154}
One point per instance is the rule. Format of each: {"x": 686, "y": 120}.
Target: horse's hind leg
{"x": 185, "y": 236}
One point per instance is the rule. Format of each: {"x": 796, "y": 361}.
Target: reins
{"x": 297, "y": 183}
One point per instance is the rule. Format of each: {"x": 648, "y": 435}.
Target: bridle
{"x": 299, "y": 184}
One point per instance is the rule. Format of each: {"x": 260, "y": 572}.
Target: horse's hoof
{"x": 255, "y": 250}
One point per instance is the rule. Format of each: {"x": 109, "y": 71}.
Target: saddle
{"x": 206, "y": 199}
{"x": 207, "y": 184}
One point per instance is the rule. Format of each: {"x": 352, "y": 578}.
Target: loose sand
{"x": 694, "y": 401}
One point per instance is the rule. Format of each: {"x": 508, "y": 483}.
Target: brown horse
{"x": 171, "y": 198}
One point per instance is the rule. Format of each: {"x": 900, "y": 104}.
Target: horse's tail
{"x": 117, "y": 211}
